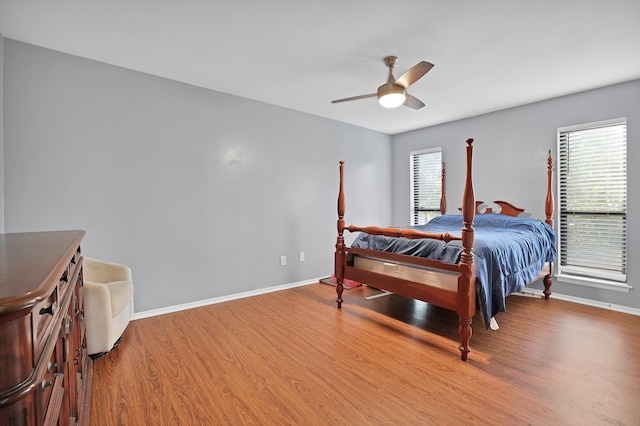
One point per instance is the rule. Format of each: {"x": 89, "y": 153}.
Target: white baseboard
{"x": 582, "y": 301}
{"x": 527, "y": 291}
{"x": 199, "y": 303}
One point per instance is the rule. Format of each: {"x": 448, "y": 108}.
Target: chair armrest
{"x": 99, "y": 271}
{"x": 97, "y": 308}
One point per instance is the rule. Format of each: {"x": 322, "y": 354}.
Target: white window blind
{"x": 593, "y": 200}
{"x": 426, "y": 185}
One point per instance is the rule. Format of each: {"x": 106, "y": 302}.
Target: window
{"x": 593, "y": 200}
{"x": 426, "y": 185}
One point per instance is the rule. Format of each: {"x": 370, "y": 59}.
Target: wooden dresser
{"x": 45, "y": 371}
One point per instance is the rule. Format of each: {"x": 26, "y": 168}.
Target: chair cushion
{"x": 121, "y": 293}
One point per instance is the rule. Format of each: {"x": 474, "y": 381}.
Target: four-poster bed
{"x": 454, "y": 258}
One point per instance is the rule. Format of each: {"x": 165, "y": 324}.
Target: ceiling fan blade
{"x": 413, "y": 102}
{"x": 355, "y": 98}
{"x": 414, "y": 74}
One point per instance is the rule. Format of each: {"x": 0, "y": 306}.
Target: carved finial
{"x": 469, "y": 141}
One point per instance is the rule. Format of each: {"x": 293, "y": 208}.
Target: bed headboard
{"x": 498, "y": 207}
{"x": 503, "y": 207}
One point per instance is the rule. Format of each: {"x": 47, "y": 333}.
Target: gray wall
{"x": 510, "y": 163}
{"x": 1, "y": 134}
{"x": 198, "y": 191}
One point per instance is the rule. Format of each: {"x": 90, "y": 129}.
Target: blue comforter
{"x": 509, "y": 252}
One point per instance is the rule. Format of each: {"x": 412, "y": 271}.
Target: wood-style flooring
{"x": 292, "y": 358}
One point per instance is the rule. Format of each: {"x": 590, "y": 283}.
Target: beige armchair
{"x": 108, "y": 303}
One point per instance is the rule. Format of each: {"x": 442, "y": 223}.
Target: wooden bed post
{"x": 549, "y": 208}
{"x": 340, "y": 256}
{"x": 467, "y": 278}
{"x": 549, "y": 204}
{"x": 443, "y": 197}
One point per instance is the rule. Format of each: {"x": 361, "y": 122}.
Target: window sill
{"x": 594, "y": 282}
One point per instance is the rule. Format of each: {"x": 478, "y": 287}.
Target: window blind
{"x": 426, "y": 185}
{"x": 593, "y": 201}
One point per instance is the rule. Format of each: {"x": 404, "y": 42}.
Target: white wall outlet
{"x": 301, "y": 256}
{"x": 283, "y": 260}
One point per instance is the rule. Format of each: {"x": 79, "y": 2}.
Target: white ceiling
{"x": 301, "y": 54}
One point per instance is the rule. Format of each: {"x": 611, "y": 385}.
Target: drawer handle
{"x": 67, "y": 325}
{"x": 45, "y": 384}
{"x": 52, "y": 366}
{"x": 50, "y": 310}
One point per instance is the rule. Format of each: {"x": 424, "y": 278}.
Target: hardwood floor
{"x": 292, "y": 357}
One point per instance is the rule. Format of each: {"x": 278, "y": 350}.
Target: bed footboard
{"x": 462, "y": 300}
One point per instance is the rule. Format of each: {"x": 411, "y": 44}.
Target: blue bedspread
{"x": 509, "y": 252}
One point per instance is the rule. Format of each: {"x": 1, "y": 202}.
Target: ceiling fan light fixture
{"x": 391, "y": 95}
{"x": 392, "y": 100}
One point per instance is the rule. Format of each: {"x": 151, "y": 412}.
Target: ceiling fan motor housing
{"x": 391, "y": 95}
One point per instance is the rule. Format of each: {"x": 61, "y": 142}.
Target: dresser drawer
{"x": 54, "y": 401}
{"x": 49, "y": 378}
{"x": 17, "y": 357}
{"x": 41, "y": 317}
{"x": 21, "y": 413}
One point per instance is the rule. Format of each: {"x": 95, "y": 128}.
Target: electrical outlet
{"x": 301, "y": 256}
{"x": 283, "y": 260}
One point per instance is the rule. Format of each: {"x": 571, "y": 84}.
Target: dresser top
{"x": 31, "y": 264}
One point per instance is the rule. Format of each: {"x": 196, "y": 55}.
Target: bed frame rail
{"x": 410, "y": 234}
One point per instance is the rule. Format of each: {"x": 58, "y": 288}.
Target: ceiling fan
{"x": 394, "y": 92}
